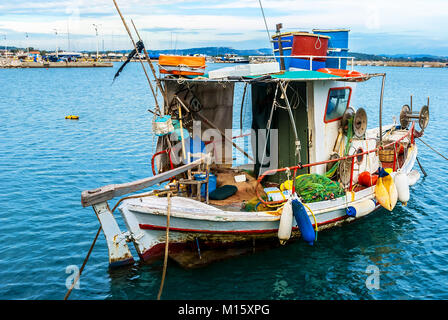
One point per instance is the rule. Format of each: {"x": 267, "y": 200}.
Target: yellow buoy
{"x": 386, "y": 191}
{"x": 72, "y": 117}
{"x": 382, "y": 196}
{"x": 392, "y": 190}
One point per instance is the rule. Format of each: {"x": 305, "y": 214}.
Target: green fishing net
{"x": 315, "y": 187}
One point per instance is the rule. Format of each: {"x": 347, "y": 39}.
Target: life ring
{"x": 341, "y": 72}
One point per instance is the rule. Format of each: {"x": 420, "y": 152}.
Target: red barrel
{"x": 309, "y": 44}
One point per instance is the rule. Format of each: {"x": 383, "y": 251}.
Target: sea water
{"x": 47, "y": 161}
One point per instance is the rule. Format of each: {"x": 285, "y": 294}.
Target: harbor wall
{"x": 32, "y": 64}
{"x": 417, "y": 64}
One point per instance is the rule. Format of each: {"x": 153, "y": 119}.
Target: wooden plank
{"x": 91, "y": 197}
{"x": 119, "y": 253}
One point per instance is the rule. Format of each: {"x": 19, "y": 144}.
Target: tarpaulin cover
{"x": 194, "y": 62}
{"x": 217, "y": 107}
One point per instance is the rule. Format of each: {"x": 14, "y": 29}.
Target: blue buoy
{"x": 351, "y": 211}
{"x": 303, "y": 222}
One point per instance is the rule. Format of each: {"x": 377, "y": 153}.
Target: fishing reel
{"x": 359, "y": 121}
{"x": 406, "y": 115}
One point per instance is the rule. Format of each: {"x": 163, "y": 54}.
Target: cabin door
{"x": 262, "y": 99}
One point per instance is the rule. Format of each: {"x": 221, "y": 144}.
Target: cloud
{"x": 228, "y": 22}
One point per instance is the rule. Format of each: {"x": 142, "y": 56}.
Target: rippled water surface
{"x": 47, "y": 161}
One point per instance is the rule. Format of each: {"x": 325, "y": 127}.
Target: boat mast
{"x": 266, "y": 25}
{"x": 97, "y": 43}
{"x": 381, "y": 108}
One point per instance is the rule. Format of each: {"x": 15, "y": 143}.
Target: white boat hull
{"x": 192, "y": 221}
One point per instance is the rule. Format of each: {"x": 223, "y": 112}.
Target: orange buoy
{"x": 341, "y": 72}
{"x": 366, "y": 179}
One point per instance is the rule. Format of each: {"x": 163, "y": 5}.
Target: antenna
{"x": 267, "y": 29}
{"x": 97, "y": 43}
{"x": 57, "y": 42}
{"x": 27, "y": 47}
{"x": 68, "y": 35}
{"x": 175, "y": 45}
{"x": 112, "y": 49}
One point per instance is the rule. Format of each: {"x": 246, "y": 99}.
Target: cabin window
{"x": 338, "y": 101}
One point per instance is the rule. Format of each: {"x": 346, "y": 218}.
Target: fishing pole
{"x": 137, "y": 50}
{"x": 151, "y": 67}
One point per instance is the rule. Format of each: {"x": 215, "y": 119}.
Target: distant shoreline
{"x": 416, "y": 64}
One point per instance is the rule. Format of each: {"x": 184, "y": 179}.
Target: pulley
{"x": 406, "y": 115}
{"x": 348, "y": 114}
{"x": 345, "y": 171}
{"x": 195, "y": 105}
{"x": 360, "y": 123}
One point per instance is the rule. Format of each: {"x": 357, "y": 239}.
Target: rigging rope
{"x": 242, "y": 109}
{"x": 316, "y": 227}
{"x": 433, "y": 149}
{"x": 83, "y": 265}
{"x": 165, "y": 261}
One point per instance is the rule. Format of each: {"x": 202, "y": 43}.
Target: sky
{"x": 377, "y": 27}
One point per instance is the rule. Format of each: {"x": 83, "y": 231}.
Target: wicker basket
{"x": 386, "y": 155}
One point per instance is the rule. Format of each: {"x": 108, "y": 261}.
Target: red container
{"x": 309, "y": 44}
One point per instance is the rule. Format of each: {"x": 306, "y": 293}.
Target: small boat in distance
{"x": 231, "y": 58}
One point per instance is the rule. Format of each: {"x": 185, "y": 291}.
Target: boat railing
{"x": 311, "y": 57}
{"x": 351, "y": 157}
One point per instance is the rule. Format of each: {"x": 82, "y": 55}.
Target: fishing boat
{"x": 312, "y": 164}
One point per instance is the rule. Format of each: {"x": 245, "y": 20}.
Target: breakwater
{"x": 417, "y": 64}
{"x": 7, "y": 64}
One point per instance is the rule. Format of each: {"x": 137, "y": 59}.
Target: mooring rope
{"x": 433, "y": 149}
{"x": 83, "y": 265}
{"x": 165, "y": 261}
{"x": 96, "y": 238}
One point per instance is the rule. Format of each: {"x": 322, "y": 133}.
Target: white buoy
{"x": 402, "y": 184}
{"x": 393, "y": 194}
{"x": 413, "y": 177}
{"x": 363, "y": 208}
{"x": 285, "y": 227}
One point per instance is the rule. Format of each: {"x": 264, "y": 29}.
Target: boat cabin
{"x": 301, "y": 129}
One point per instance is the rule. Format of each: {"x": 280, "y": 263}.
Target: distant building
{"x": 6, "y": 53}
